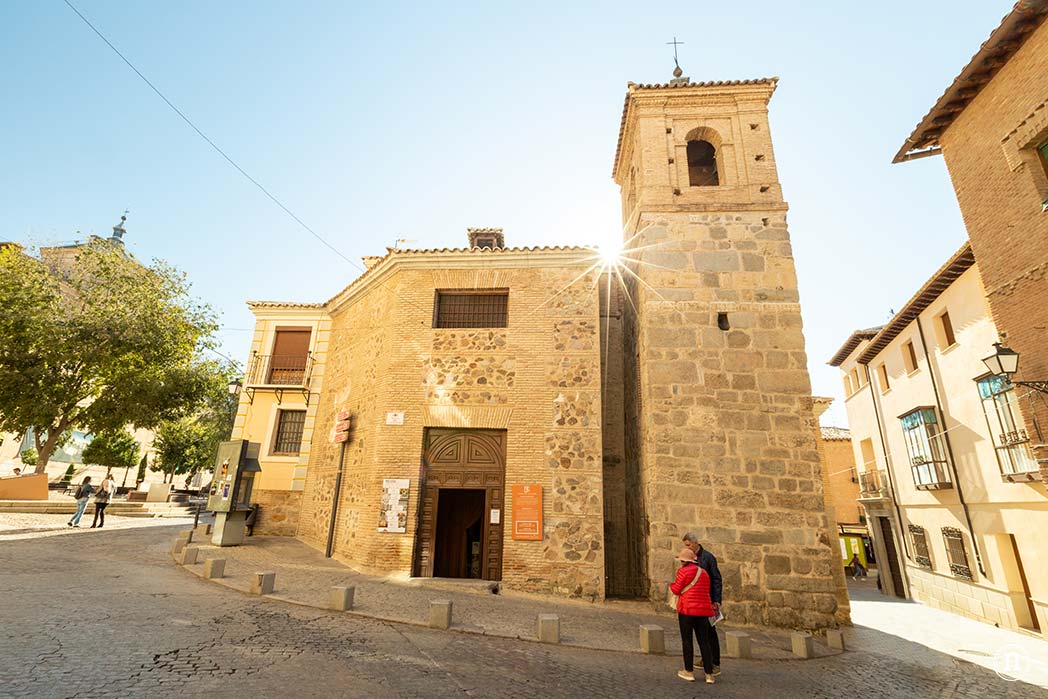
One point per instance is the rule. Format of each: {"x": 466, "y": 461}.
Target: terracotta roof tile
{"x": 836, "y": 434}
{"x": 852, "y": 342}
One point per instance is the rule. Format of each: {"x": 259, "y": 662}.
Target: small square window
{"x": 946, "y": 330}
{"x": 909, "y": 357}
{"x": 882, "y": 378}
{"x": 471, "y": 309}
{"x": 955, "y": 553}
{"x": 288, "y": 438}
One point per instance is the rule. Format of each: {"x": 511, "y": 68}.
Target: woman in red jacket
{"x": 694, "y": 610}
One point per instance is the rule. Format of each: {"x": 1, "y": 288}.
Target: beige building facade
{"x": 555, "y": 421}
{"x": 947, "y": 475}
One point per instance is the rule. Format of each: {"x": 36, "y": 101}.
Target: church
{"x": 555, "y": 421}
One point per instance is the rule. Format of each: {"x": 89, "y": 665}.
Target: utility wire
{"x": 204, "y": 136}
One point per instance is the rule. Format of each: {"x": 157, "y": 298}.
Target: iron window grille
{"x": 923, "y": 435}
{"x": 956, "y": 553}
{"x": 1007, "y": 431}
{"x": 471, "y": 309}
{"x": 921, "y": 554}
{"x": 288, "y": 439}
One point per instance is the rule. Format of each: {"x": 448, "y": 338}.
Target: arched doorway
{"x": 461, "y": 507}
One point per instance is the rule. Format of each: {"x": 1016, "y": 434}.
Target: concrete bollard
{"x": 440, "y": 613}
{"x": 803, "y": 645}
{"x": 189, "y": 555}
{"x": 652, "y": 639}
{"x": 342, "y": 598}
{"x": 738, "y": 643}
{"x": 549, "y": 628}
{"x": 180, "y": 543}
{"x": 187, "y": 535}
{"x": 835, "y": 639}
{"x": 202, "y": 530}
{"x": 262, "y": 583}
{"x": 214, "y": 568}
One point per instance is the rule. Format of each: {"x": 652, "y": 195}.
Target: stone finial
{"x": 490, "y": 238}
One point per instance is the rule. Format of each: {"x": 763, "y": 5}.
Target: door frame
{"x": 461, "y": 474}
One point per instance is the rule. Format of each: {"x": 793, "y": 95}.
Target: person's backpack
{"x": 79, "y": 492}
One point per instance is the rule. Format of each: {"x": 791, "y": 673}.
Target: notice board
{"x": 527, "y": 512}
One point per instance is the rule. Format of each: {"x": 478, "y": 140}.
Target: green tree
{"x": 188, "y": 444}
{"x": 68, "y": 477}
{"x": 29, "y": 457}
{"x": 97, "y": 341}
{"x": 113, "y": 449}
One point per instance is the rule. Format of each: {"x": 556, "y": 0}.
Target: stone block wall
{"x": 278, "y": 512}
{"x": 538, "y": 379}
{"x": 725, "y": 427}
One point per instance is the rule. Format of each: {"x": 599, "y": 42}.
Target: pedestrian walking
{"x": 102, "y": 498}
{"x": 858, "y": 569}
{"x": 694, "y": 609}
{"x": 82, "y": 495}
{"x": 708, "y": 562}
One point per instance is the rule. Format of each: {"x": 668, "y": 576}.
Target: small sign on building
{"x": 393, "y": 511}
{"x": 527, "y": 512}
{"x": 343, "y": 424}
{"x": 395, "y": 418}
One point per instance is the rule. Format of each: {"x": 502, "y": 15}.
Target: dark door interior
{"x": 460, "y": 533}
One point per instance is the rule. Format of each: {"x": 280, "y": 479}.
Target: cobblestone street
{"x": 106, "y": 614}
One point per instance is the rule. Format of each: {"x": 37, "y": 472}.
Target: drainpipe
{"x": 887, "y": 464}
{"x": 949, "y": 450}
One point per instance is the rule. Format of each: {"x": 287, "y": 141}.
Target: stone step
{"x": 119, "y": 509}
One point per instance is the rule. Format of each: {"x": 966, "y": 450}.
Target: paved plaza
{"x": 106, "y": 614}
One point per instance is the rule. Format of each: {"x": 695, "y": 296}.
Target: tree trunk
{"x": 45, "y": 449}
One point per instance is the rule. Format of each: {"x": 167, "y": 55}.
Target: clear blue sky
{"x": 418, "y": 120}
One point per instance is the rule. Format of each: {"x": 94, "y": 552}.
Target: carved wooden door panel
{"x": 473, "y": 459}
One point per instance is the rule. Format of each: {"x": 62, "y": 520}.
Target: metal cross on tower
{"x": 677, "y": 72}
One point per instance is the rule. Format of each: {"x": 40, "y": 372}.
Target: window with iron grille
{"x": 921, "y": 554}
{"x": 288, "y": 439}
{"x": 1007, "y": 431}
{"x": 471, "y": 309}
{"x": 955, "y": 552}
{"x": 924, "y": 444}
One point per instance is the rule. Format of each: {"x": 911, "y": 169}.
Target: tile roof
{"x": 946, "y": 275}
{"x": 1002, "y": 44}
{"x": 836, "y": 434}
{"x": 852, "y": 342}
{"x": 679, "y": 83}
{"x": 282, "y": 304}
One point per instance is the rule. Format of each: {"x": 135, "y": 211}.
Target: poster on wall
{"x": 527, "y": 512}
{"x": 393, "y": 511}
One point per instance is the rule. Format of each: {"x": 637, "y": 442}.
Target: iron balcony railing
{"x": 279, "y": 370}
{"x": 873, "y": 484}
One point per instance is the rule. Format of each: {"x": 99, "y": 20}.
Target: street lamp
{"x": 1005, "y": 362}
{"x": 234, "y": 387}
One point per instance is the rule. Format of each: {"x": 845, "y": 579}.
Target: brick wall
{"x": 839, "y": 478}
{"x": 1000, "y": 184}
{"x": 278, "y": 511}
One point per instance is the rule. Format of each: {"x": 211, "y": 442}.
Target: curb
{"x": 191, "y": 569}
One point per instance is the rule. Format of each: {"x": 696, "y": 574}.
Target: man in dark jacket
{"x": 708, "y": 562}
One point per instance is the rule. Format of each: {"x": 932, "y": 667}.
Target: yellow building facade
{"x": 947, "y": 475}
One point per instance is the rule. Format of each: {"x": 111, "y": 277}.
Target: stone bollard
{"x": 189, "y": 555}
{"x": 262, "y": 583}
{"x": 803, "y": 645}
{"x": 835, "y": 639}
{"x": 180, "y": 543}
{"x": 738, "y": 644}
{"x": 652, "y": 639}
{"x": 549, "y": 628}
{"x": 342, "y": 598}
{"x": 214, "y": 568}
{"x": 440, "y": 613}
{"x": 202, "y": 530}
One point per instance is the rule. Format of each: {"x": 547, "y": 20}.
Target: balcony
{"x": 873, "y": 485}
{"x": 279, "y": 373}
{"x": 930, "y": 475}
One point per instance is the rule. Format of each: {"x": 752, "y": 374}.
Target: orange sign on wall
{"x": 527, "y": 512}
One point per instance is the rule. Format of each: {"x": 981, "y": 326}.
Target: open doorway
{"x": 459, "y": 545}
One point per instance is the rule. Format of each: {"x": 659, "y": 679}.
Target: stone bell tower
{"x": 720, "y": 433}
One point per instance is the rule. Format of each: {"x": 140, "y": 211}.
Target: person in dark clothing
{"x": 708, "y": 562}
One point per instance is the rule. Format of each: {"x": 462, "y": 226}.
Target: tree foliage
{"x": 112, "y": 449}
{"x": 97, "y": 341}
{"x": 29, "y": 457}
{"x": 188, "y": 444}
